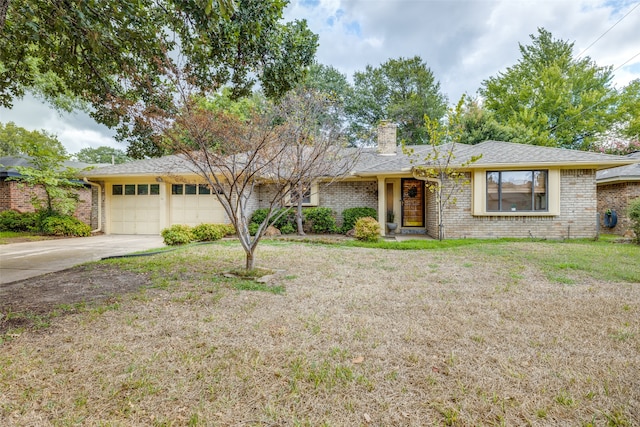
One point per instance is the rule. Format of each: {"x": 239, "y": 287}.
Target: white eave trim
{"x": 616, "y": 179}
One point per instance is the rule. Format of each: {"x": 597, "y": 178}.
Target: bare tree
{"x": 443, "y": 176}
{"x": 316, "y": 145}
{"x": 234, "y": 153}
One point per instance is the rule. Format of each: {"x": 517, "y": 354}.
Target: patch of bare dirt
{"x": 82, "y": 284}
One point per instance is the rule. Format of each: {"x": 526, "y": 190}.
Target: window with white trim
{"x": 308, "y": 192}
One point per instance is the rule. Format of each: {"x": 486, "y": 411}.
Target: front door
{"x": 412, "y": 203}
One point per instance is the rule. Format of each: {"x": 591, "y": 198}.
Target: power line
{"x": 610, "y": 28}
{"x": 626, "y": 62}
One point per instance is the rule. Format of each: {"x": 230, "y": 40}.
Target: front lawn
{"x": 480, "y": 333}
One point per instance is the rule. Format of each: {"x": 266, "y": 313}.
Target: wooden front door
{"x": 412, "y": 203}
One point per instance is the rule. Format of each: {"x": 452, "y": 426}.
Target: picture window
{"x": 517, "y": 191}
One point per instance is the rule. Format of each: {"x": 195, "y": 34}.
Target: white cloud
{"x": 466, "y": 41}
{"x": 74, "y": 130}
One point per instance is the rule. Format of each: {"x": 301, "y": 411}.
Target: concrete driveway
{"x": 23, "y": 260}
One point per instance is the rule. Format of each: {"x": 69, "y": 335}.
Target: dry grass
{"x": 360, "y": 337}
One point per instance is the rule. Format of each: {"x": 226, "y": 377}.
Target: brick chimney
{"x": 387, "y": 138}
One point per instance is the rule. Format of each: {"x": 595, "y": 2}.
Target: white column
{"x": 382, "y": 206}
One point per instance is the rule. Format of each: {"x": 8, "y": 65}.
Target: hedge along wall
{"x": 14, "y": 196}
{"x": 338, "y": 196}
{"x": 617, "y": 197}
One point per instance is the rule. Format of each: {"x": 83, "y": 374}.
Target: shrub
{"x": 288, "y": 229}
{"x": 367, "y": 229}
{"x": 15, "y": 221}
{"x": 633, "y": 211}
{"x": 259, "y": 215}
{"x": 208, "y": 232}
{"x": 288, "y": 217}
{"x": 253, "y": 228}
{"x": 177, "y": 235}
{"x": 351, "y": 215}
{"x": 65, "y": 225}
{"x": 322, "y": 220}
{"x": 229, "y": 229}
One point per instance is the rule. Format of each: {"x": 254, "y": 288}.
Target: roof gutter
{"x": 95, "y": 184}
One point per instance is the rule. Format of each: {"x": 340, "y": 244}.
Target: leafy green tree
{"x": 400, "y": 90}
{"x": 102, "y": 154}
{"x": 561, "y": 100}
{"x": 629, "y": 110}
{"x": 478, "y": 125}
{"x": 327, "y": 81}
{"x": 46, "y": 156}
{"x": 17, "y": 141}
{"x": 120, "y": 56}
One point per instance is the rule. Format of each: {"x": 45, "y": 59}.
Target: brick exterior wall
{"x": 14, "y": 196}
{"x": 617, "y": 197}
{"x": 337, "y": 196}
{"x": 345, "y": 195}
{"x": 577, "y": 217}
{"x": 387, "y": 140}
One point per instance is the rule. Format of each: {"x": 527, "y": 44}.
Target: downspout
{"x": 95, "y": 184}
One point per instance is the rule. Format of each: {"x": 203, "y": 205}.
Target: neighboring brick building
{"x": 616, "y": 188}
{"x": 17, "y": 196}
{"x": 514, "y": 190}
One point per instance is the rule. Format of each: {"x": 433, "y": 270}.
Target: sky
{"x": 462, "y": 41}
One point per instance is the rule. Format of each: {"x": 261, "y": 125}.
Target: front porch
{"x": 407, "y": 201}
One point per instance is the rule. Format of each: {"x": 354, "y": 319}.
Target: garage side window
{"x": 177, "y": 189}
{"x": 116, "y": 190}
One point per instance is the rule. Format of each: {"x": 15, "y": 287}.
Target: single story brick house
{"x": 515, "y": 190}
{"x": 16, "y": 196}
{"x": 616, "y": 188}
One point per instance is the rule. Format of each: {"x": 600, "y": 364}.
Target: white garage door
{"x": 193, "y": 204}
{"x": 135, "y": 209}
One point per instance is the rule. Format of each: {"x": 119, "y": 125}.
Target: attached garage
{"x": 135, "y": 209}
{"x": 193, "y": 204}
{"x": 147, "y": 196}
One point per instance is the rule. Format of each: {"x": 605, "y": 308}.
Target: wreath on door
{"x": 412, "y": 192}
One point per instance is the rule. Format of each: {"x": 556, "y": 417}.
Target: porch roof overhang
{"x": 388, "y": 174}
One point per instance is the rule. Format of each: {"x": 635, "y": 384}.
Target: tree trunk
{"x": 250, "y": 264}
{"x": 299, "y": 219}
